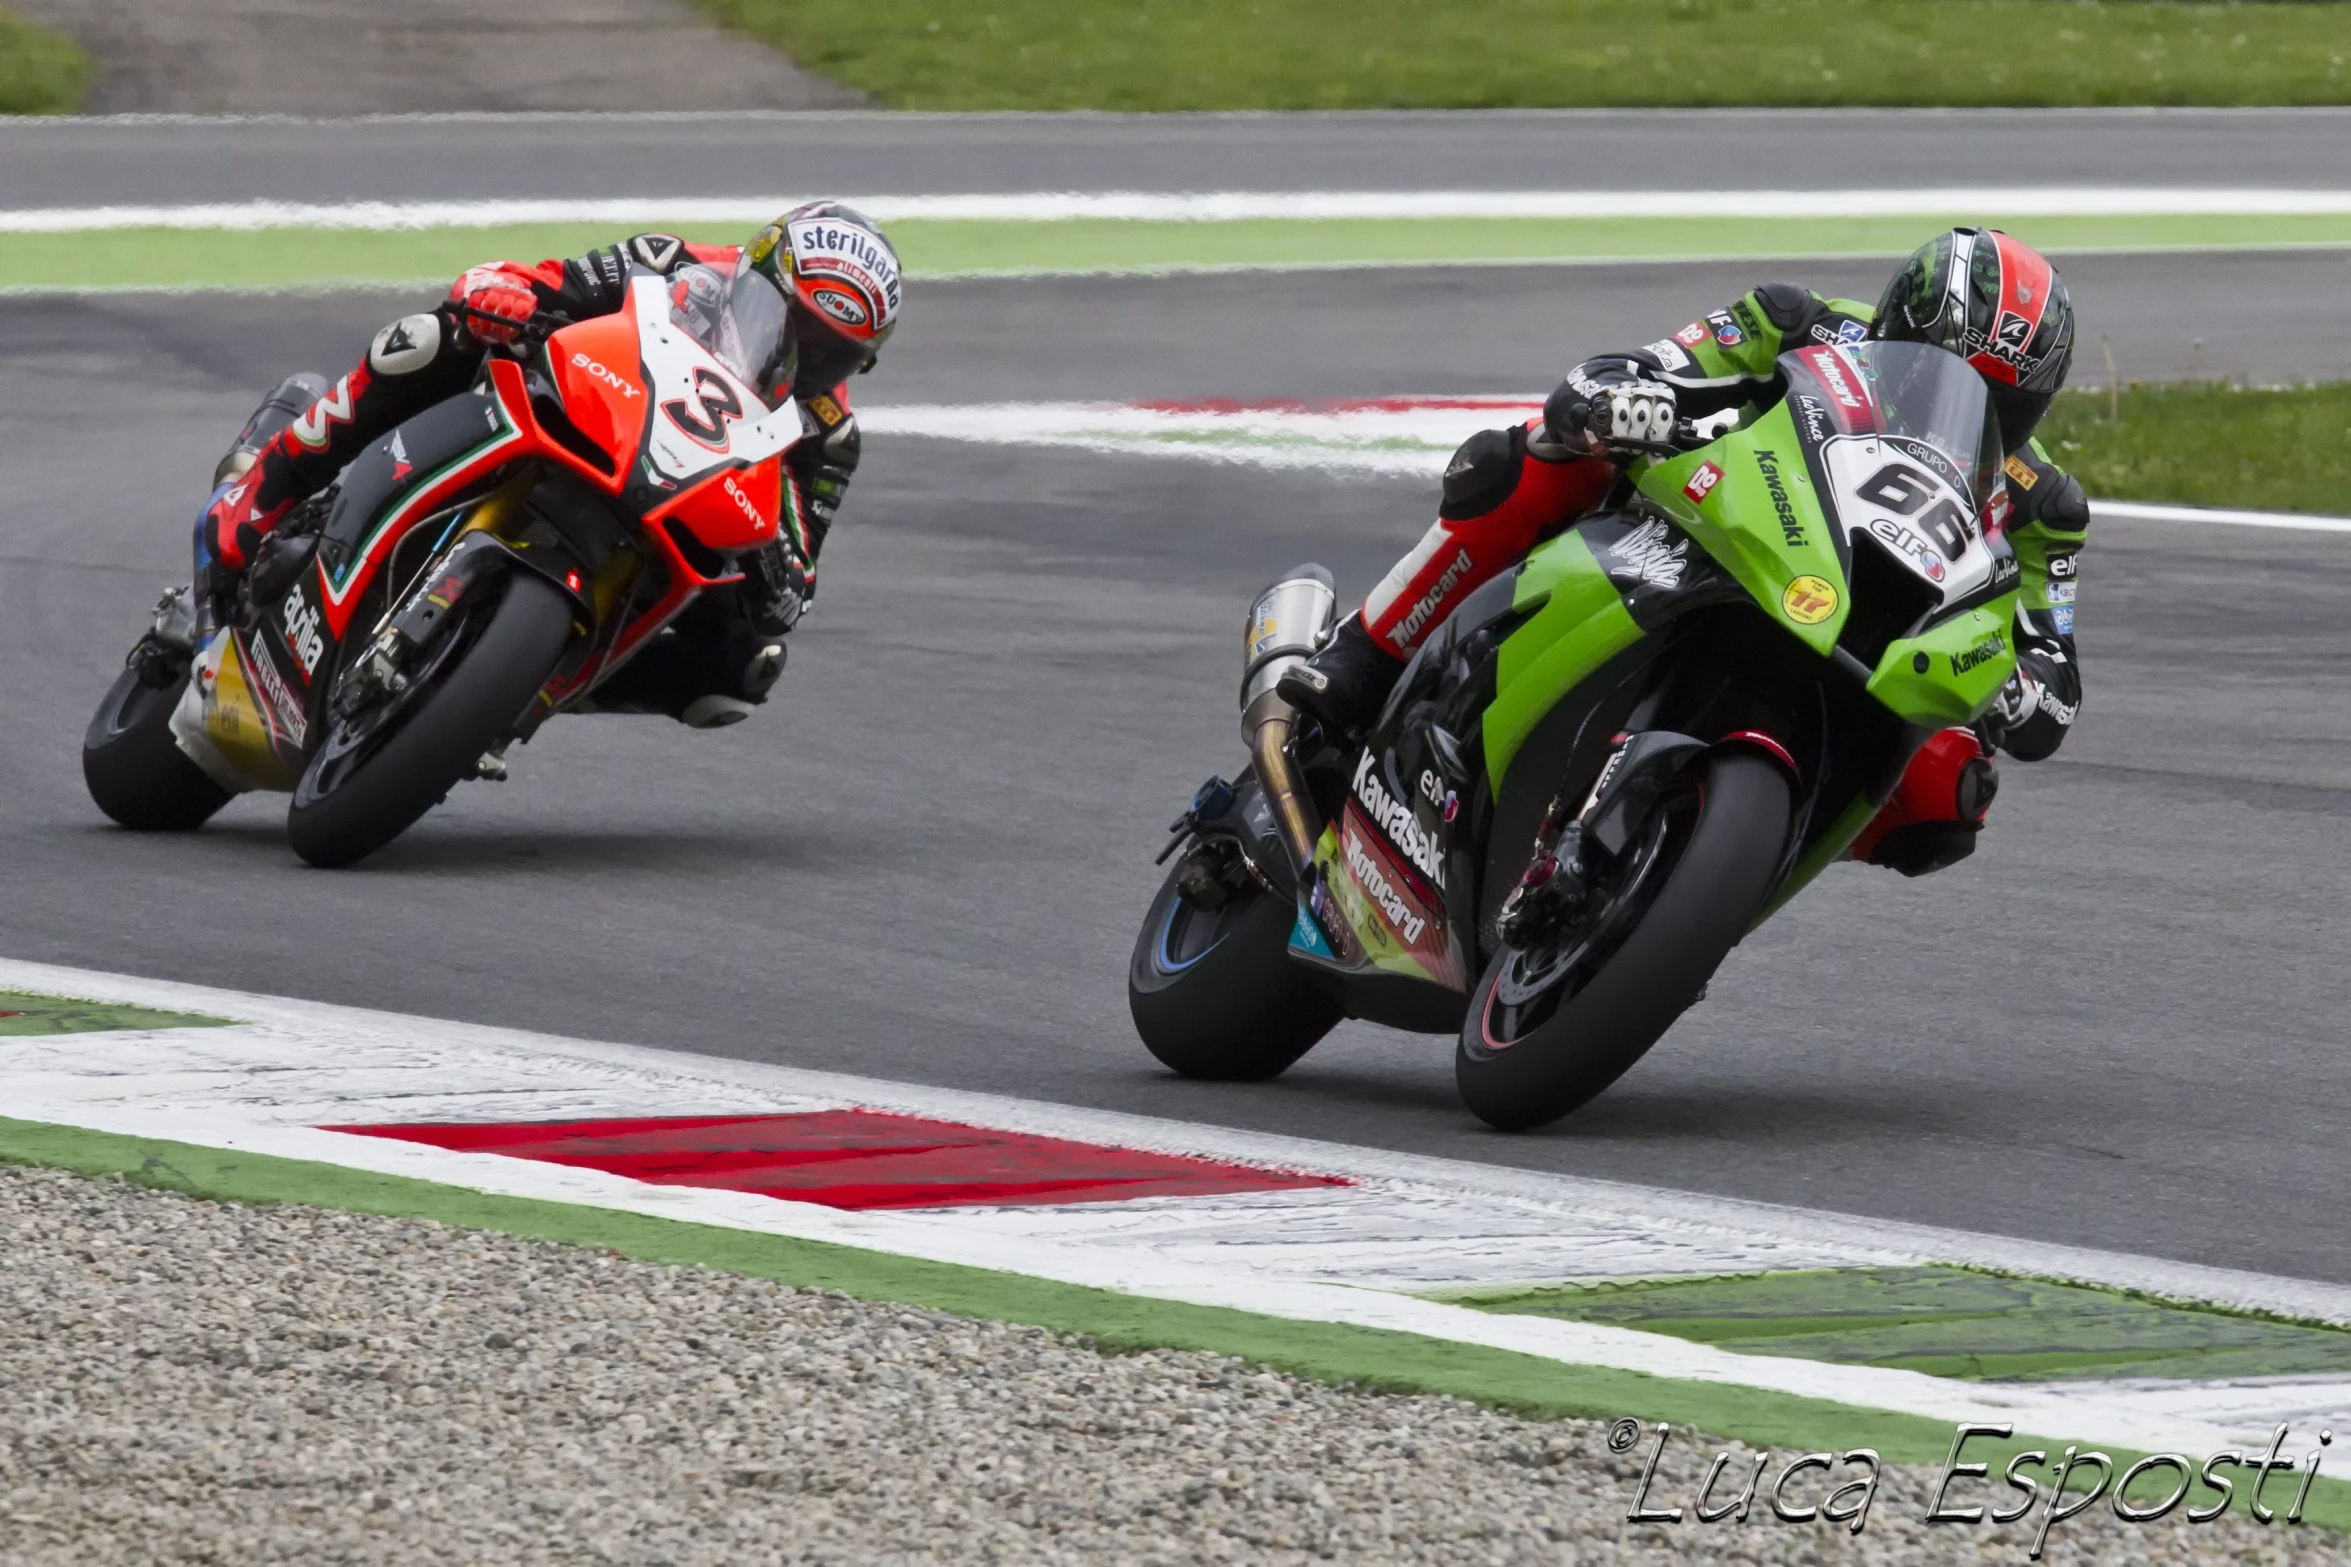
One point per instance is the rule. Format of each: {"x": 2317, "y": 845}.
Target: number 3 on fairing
{"x": 715, "y": 403}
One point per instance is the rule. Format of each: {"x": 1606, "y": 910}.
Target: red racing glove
{"x": 497, "y": 304}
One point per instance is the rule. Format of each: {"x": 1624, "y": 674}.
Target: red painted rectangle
{"x": 854, "y": 1159}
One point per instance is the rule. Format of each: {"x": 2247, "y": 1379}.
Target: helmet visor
{"x": 755, "y": 332}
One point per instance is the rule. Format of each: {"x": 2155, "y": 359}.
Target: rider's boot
{"x": 1934, "y": 814}
{"x": 1344, "y": 685}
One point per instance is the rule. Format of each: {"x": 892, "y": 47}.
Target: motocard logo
{"x": 305, "y": 633}
{"x": 1381, "y": 891}
{"x": 1832, "y": 374}
{"x": 743, "y": 503}
{"x": 611, "y": 378}
{"x": 1431, "y": 601}
{"x": 1702, "y": 482}
{"x": 1395, "y": 821}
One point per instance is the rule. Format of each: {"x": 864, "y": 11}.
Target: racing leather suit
{"x": 1505, "y": 490}
{"x": 421, "y": 360}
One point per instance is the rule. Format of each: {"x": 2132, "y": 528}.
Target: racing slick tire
{"x": 1531, "y": 1052}
{"x": 363, "y": 789}
{"x": 1214, "y": 993}
{"x": 135, "y": 770}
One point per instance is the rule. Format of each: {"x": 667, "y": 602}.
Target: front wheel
{"x": 1214, "y": 992}
{"x": 377, "y": 772}
{"x": 135, "y": 769}
{"x": 1551, "y": 1025}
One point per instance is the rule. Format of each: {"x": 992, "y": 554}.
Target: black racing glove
{"x": 1615, "y": 409}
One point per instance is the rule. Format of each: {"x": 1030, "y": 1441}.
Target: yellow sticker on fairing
{"x": 1809, "y": 600}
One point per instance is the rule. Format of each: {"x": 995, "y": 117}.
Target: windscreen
{"x": 740, "y": 319}
{"x": 1904, "y": 435}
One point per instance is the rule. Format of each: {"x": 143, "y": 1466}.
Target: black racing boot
{"x": 1344, "y": 686}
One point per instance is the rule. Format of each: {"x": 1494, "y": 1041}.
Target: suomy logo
{"x": 1395, "y": 822}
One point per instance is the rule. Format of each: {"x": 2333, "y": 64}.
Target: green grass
{"x": 2208, "y": 444}
{"x": 1948, "y": 1322}
{"x": 1349, "y": 54}
{"x": 932, "y": 247}
{"x": 41, "y": 71}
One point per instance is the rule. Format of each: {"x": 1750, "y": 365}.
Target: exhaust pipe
{"x": 1291, "y": 619}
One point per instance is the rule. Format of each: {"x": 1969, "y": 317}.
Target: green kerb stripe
{"x": 1371, "y": 1357}
{"x": 23, "y": 1012}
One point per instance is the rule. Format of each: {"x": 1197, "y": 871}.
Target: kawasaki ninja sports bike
{"x": 1608, "y": 765}
{"x": 486, "y": 565}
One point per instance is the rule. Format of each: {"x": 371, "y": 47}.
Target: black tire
{"x": 136, "y": 771}
{"x": 1714, "y": 861}
{"x": 1215, "y": 994}
{"x": 345, "y": 809}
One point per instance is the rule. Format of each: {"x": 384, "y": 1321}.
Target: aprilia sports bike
{"x": 486, "y": 565}
{"x": 1608, "y": 765}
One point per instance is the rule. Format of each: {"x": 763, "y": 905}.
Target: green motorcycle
{"x": 1608, "y": 765}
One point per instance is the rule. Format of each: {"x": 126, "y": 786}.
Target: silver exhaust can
{"x": 1291, "y": 619}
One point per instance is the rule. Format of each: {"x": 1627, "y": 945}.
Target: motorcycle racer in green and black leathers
{"x": 1979, "y": 293}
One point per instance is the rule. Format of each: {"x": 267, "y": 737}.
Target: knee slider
{"x": 1483, "y": 473}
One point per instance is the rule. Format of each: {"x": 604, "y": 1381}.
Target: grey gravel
{"x": 188, "y": 1381}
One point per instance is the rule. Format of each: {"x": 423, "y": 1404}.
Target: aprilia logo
{"x": 1395, "y": 821}
{"x": 304, "y": 632}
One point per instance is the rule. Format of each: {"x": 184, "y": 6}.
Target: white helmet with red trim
{"x": 1998, "y": 304}
{"x": 840, "y": 275}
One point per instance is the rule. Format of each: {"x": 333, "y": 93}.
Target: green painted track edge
{"x": 1329, "y": 1352}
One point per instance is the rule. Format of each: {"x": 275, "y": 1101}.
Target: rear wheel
{"x": 1214, "y": 992}
{"x": 1552, "y": 1024}
{"x": 378, "y": 771}
{"x": 135, "y": 770}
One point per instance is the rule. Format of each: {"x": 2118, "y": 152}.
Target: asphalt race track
{"x": 2119, "y": 1025}
{"x": 142, "y": 159}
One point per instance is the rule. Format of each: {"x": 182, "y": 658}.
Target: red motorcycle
{"x": 485, "y": 566}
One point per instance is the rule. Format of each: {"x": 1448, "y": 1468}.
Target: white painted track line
{"x": 1222, "y": 207}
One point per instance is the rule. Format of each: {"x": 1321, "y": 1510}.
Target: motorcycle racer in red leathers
{"x": 1979, "y": 293}
{"x": 837, "y": 279}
